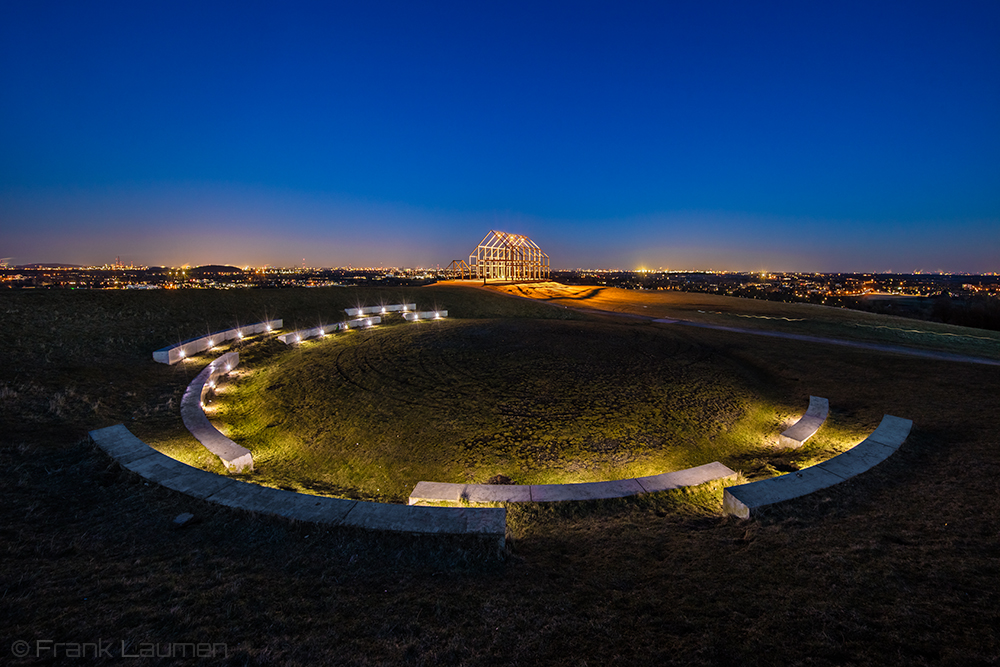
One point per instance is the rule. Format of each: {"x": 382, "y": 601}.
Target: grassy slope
{"x": 798, "y": 318}
{"x": 369, "y": 414}
{"x": 896, "y": 567}
{"x": 75, "y": 361}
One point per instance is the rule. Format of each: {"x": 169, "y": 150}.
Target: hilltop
{"x": 897, "y": 566}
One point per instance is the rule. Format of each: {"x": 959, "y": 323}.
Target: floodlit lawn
{"x": 897, "y": 566}
{"x": 368, "y": 414}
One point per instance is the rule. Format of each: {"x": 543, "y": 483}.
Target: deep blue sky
{"x": 729, "y": 135}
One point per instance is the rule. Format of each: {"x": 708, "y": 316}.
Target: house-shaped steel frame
{"x": 503, "y": 256}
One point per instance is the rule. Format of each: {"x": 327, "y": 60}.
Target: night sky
{"x": 775, "y": 136}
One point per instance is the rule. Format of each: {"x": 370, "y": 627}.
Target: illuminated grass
{"x": 370, "y": 414}
{"x": 179, "y": 444}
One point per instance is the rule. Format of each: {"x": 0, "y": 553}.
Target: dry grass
{"x": 898, "y": 566}
{"x": 369, "y": 414}
{"x": 796, "y": 318}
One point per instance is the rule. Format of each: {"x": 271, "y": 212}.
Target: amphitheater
{"x": 440, "y": 507}
{"x": 892, "y": 566}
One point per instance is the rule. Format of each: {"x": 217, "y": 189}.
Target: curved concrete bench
{"x": 233, "y": 456}
{"x": 543, "y": 493}
{"x": 807, "y": 426}
{"x": 305, "y": 334}
{"x": 380, "y": 310}
{"x": 359, "y": 323}
{"x": 746, "y": 499}
{"x": 174, "y": 353}
{"x": 425, "y": 315}
{"x": 319, "y": 332}
{"x": 137, "y": 456}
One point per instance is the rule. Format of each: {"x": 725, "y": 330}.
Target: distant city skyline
{"x": 776, "y": 136}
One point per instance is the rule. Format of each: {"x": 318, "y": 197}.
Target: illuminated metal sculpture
{"x": 503, "y": 256}
{"x": 458, "y": 269}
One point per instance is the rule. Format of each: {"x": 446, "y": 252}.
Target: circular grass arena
{"x": 368, "y": 414}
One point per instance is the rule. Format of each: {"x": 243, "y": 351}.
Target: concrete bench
{"x": 425, "y": 315}
{"x": 747, "y": 499}
{"x": 380, "y": 310}
{"x": 233, "y": 456}
{"x": 135, "y": 455}
{"x": 315, "y": 332}
{"x": 542, "y": 493}
{"x": 318, "y": 332}
{"x": 807, "y": 426}
{"x": 174, "y": 353}
{"x": 362, "y": 322}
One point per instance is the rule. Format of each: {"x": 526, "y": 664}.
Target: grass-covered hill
{"x": 369, "y": 414}
{"x": 898, "y": 566}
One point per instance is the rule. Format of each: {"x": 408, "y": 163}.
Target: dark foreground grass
{"x": 898, "y": 566}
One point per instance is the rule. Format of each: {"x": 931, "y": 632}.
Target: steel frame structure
{"x": 458, "y": 268}
{"x": 504, "y": 256}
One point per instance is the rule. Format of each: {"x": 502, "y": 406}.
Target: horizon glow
{"x": 839, "y": 137}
